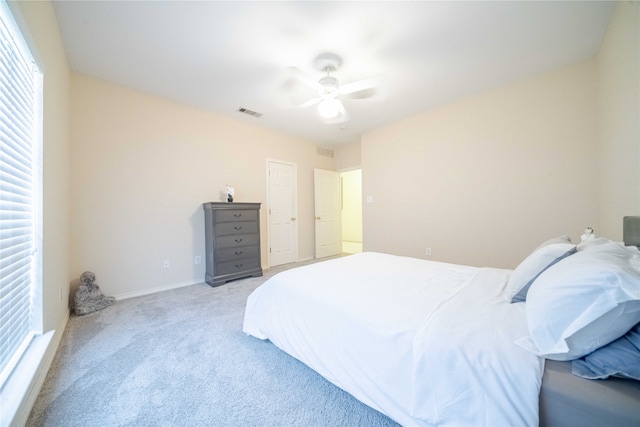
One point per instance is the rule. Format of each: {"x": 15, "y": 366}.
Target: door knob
{"x": 318, "y": 218}
{"x": 293, "y": 218}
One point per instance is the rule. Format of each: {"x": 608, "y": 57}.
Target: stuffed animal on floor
{"x": 89, "y": 297}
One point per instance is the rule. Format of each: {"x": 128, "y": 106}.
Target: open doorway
{"x": 351, "y": 187}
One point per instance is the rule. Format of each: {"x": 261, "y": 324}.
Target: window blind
{"x": 18, "y": 114}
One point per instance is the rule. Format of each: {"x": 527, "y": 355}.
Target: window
{"x": 20, "y": 194}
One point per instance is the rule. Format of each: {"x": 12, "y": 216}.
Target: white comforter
{"x": 424, "y": 342}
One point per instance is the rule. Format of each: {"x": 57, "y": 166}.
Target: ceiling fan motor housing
{"x": 327, "y": 62}
{"x": 329, "y": 86}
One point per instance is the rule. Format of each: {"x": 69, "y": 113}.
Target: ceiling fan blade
{"x": 309, "y": 103}
{"x": 304, "y": 78}
{"x": 365, "y": 88}
{"x": 340, "y": 118}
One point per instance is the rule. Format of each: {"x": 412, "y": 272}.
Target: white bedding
{"x": 424, "y": 342}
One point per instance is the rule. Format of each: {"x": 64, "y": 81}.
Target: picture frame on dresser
{"x": 232, "y": 241}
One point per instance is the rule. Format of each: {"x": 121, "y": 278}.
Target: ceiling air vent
{"x": 250, "y": 112}
{"x": 325, "y": 152}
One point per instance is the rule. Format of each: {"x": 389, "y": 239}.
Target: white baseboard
{"x": 158, "y": 289}
{"x": 25, "y": 382}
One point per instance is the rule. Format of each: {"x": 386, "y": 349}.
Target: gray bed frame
{"x": 568, "y": 400}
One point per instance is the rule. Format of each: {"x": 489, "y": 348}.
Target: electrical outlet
{"x": 197, "y": 260}
{"x": 427, "y": 251}
{"x": 166, "y": 263}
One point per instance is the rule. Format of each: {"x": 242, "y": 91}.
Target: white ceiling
{"x": 220, "y": 56}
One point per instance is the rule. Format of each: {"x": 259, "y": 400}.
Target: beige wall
{"x": 352, "y": 205}
{"x": 619, "y": 113}
{"x": 484, "y": 180}
{"x": 347, "y": 156}
{"x": 141, "y": 168}
{"x": 43, "y": 35}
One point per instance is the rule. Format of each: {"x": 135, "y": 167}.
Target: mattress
{"x": 423, "y": 342}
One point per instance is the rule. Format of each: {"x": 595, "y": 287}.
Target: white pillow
{"x": 603, "y": 245}
{"x": 583, "y": 303}
{"x": 594, "y": 243}
{"x": 543, "y": 257}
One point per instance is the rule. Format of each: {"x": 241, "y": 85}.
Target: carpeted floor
{"x": 180, "y": 358}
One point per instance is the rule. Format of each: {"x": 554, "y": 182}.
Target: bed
{"x": 432, "y": 343}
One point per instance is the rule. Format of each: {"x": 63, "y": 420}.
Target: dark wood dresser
{"x": 232, "y": 241}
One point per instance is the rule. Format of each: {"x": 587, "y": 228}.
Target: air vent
{"x": 325, "y": 152}
{"x": 250, "y": 112}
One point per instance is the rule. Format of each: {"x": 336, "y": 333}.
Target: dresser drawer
{"x": 236, "y": 215}
{"x": 236, "y": 227}
{"x": 240, "y": 265}
{"x": 236, "y": 240}
{"x": 242, "y": 252}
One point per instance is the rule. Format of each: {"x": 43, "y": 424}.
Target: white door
{"x": 282, "y": 211}
{"x": 327, "y": 213}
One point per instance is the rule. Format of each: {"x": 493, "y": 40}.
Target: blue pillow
{"x": 620, "y": 358}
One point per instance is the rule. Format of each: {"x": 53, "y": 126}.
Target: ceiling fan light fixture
{"x": 329, "y": 108}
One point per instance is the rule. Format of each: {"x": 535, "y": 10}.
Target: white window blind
{"x": 19, "y": 116}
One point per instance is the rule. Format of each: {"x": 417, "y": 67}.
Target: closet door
{"x": 282, "y": 213}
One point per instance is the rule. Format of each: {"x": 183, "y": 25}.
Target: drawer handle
{"x": 237, "y": 215}
{"x": 237, "y": 227}
{"x": 238, "y": 252}
{"x": 238, "y": 240}
{"x": 239, "y": 265}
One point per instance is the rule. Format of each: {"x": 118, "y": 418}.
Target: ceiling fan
{"x": 330, "y": 107}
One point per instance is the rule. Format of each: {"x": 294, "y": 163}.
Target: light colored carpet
{"x": 180, "y": 358}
